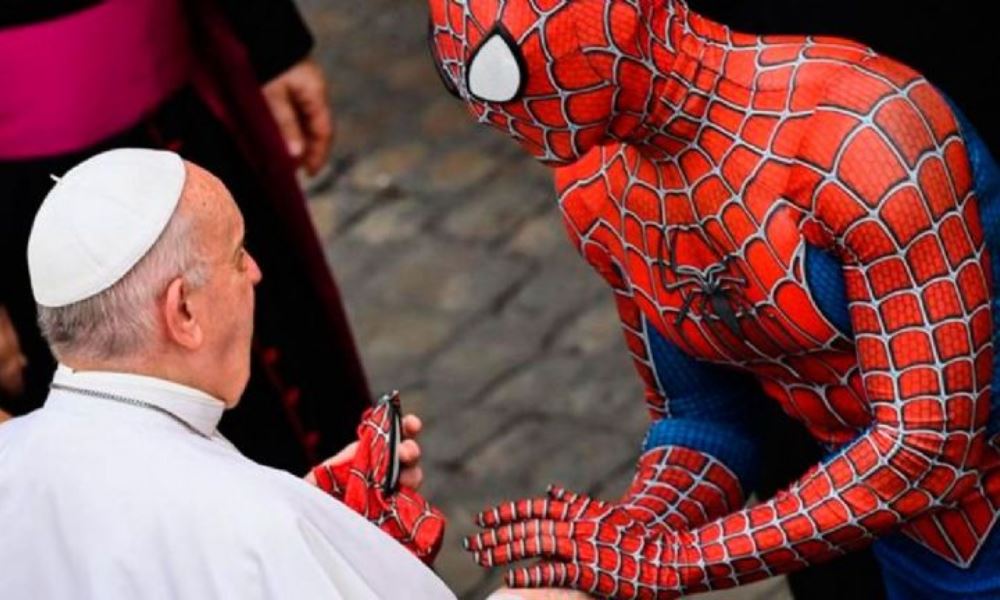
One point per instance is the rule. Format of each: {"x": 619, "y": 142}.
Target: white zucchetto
{"x": 99, "y": 220}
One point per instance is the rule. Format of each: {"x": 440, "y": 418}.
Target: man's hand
{"x": 12, "y": 361}
{"x": 357, "y": 474}
{"x": 621, "y": 549}
{"x": 411, "y": 475}
{"x": 298, "y": 101}
{"x": 593, "y": 546}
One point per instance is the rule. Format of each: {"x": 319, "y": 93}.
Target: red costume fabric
{"x": 367, "y": 485}
{"x": 694, "y": 166}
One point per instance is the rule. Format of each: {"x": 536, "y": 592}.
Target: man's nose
{"x": 255, "y": 273}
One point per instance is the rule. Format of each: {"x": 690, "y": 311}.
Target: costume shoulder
{"x": 944, "y": 42}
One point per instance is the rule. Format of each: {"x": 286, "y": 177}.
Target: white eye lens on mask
{"x": 495, "y": 73}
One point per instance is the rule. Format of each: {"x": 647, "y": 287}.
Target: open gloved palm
{"x": 636, "y": 547}
{"x": 591, "y": 545}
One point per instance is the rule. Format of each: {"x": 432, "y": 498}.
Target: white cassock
{"x": 100, "y": 498}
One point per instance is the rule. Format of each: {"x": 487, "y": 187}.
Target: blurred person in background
{"x": 230, "y": 85}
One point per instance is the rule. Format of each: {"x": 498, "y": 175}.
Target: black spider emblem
{"x": 713, "y": 292}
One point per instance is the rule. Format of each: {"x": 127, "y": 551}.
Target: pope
{"x": 121, "y": 484}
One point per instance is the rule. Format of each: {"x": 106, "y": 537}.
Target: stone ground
{"x": 463, "y": 291}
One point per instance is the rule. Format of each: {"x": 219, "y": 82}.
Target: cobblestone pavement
{"x": 462, "y": 289}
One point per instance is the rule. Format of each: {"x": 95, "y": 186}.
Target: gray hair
{"x": 122, "y": 320}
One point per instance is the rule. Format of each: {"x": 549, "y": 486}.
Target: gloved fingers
{"x": 558, "y": 492}
{"x": 526, "y": 508}
{"x": 543, "y": 546}
{"x": 544, "y": 574}
{"x": 516, "y": 532}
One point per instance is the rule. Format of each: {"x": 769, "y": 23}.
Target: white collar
{"x": 198, "y": 410}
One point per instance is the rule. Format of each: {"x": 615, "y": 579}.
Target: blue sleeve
{"x": 986, "y": 178}
{"x": 710, "y": 409}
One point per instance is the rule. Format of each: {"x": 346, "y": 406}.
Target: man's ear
{"x": 180, "y": 320}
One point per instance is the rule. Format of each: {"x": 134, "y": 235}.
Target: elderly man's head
{"x": 184, "y": 311}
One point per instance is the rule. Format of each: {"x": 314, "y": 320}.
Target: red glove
{"x": 367, "y": 484}
{"x": 590, "y": 545}
{"x": 634, "y": 548}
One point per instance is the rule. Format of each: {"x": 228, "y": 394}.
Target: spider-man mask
{"x": 539, "y": 70}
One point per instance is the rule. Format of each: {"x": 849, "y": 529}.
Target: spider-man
{"x": 798, "y": 211}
